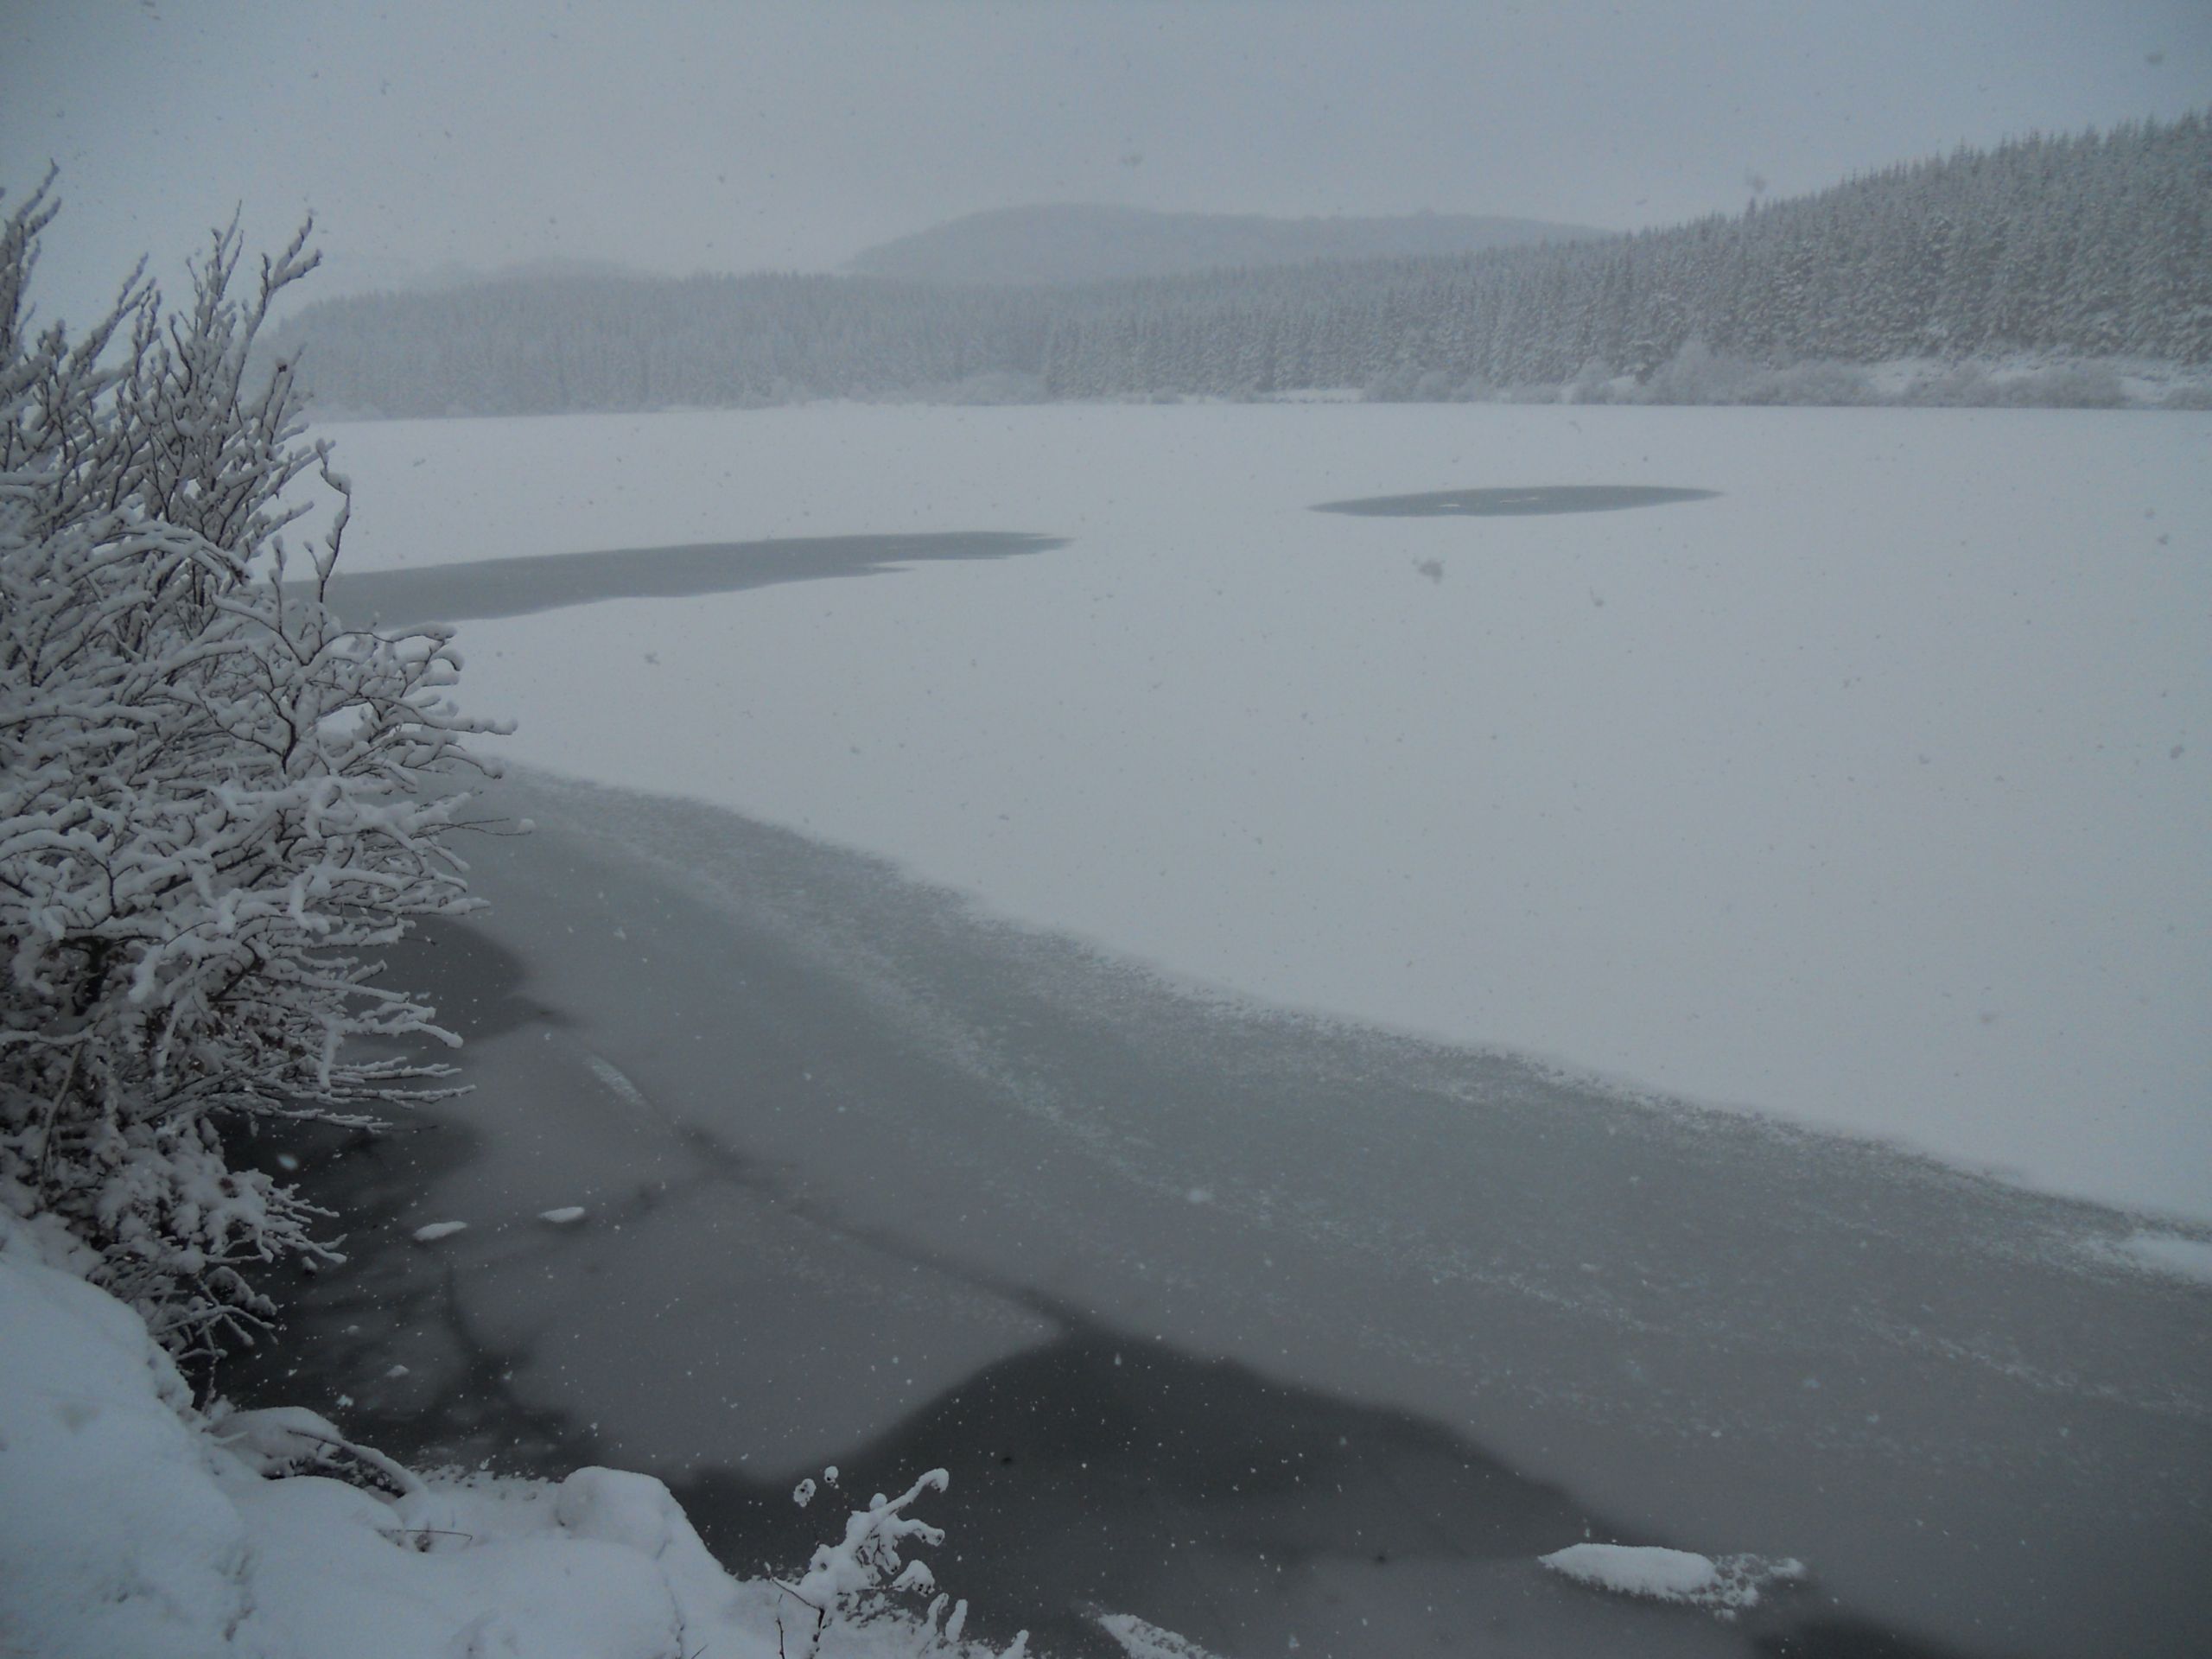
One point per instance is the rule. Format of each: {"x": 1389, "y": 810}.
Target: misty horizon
{"x": 794, "y": 139}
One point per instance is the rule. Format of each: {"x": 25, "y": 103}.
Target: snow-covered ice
{"x": 1869, "y": 792}
{"x": 1726, "y": 1586}
{"x": 1668, "y": 1574}
{"x": 433, "y": 1231}
{"x": 566, "y": 1215}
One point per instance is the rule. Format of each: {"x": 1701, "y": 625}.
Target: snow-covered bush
{"x": 1964, "y": 385}
{"x": 1815, "y": 385}
{"x": 1698, "y": 374}
{"x": 214, "y": 798}
{"x": 847, "y": 1586}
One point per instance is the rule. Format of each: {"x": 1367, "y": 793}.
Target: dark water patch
{"x": 1107, "y": 1473}
{"x": 392, "y": 1303}
{"x": 395, "y": 1304}
{"x": 1840, "y": 1637}
{"x": 546, "y": 581}
{"x": 1514, "y": 504}
{"x": 887, "y": 1184}
{"x": 729, "y": 1283}
{"x": 1729, "y": 1334}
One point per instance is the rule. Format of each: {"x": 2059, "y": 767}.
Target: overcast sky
{"x": 743, "y": 135}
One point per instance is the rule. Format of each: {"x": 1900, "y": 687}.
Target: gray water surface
{"x": 518, "y": 587}
{"x": 875, "y": 1180}
{"x": 1515, "y": 503}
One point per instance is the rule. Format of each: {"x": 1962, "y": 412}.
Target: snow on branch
{"x": 848, "y": 1584}
{"x": 218, "y": 804}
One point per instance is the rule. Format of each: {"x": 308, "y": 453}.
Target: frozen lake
{"x": 1848, "y": 778}
{"x": 1868, "y": 792}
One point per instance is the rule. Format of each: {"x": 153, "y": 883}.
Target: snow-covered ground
{"x": 1871, "y": 792}
{"x": 134, "y": 1525}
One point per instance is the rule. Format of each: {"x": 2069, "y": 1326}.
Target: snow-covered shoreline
{"x": 135, "y": 1524}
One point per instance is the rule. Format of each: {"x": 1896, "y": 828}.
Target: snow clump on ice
{"x": 1725, "y": 1587}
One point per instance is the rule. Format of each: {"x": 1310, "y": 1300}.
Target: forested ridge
{"x": 2093, "y": 246}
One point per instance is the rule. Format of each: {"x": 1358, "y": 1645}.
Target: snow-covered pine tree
{"x": 216, "y": 802}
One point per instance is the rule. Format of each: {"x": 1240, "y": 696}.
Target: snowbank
{"x": 133, "y": 1524}
{"x": 115, "y": 1535}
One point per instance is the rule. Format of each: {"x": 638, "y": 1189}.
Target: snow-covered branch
{"x": 848, "y": 1584}
{"x": 216, "y": 803}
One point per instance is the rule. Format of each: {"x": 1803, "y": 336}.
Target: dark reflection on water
{"x": 547, "y": 581}
{"x": 457, "y": 1403}
{"x": 1511, "y": 503}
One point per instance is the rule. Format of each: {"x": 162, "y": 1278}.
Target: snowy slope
{"x": 134, "y": 1526}
{"x": 1870, "y": 792}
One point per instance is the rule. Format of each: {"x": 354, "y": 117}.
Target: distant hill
{"x": 1073, "y": 243}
